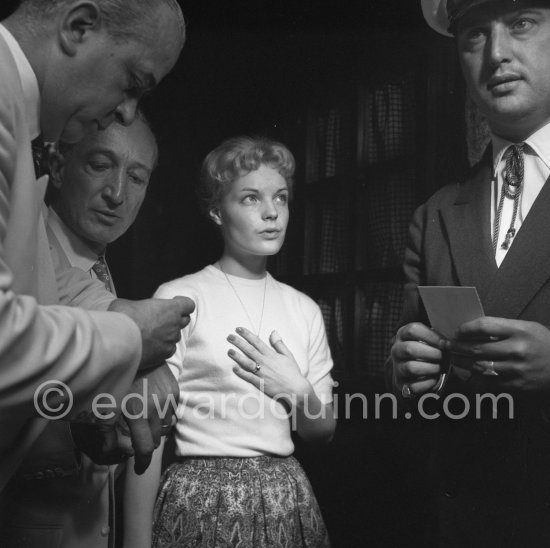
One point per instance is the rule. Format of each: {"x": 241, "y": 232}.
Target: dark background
{"x": 249, "y": 66}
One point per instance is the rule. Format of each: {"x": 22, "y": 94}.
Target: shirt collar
{"x": 79, "y": 254}
{"x": 538, "y": 141}
{"x": 29, "y": 83}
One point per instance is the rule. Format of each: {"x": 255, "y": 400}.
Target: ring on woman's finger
{"x": 489, "y": 368}
{"x": 406, "y": 391}
{"x": 258, "y": 367}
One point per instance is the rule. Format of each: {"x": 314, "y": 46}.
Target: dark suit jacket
{"x": 494, "y": 476}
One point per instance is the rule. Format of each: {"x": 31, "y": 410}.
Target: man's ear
{"x": 216, "y": 215}
{"x": 79, "y": 19}
{"x": 56, "y": 163}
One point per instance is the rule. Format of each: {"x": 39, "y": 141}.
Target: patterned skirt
{"x": 257, "y": 502}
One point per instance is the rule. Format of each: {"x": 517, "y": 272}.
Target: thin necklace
{"x": 242, "y": 304}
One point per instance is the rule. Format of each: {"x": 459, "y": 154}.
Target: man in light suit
{"x": 66, "y": 67}
{"x": 489, "y": 230}
{"x": 100, "y": 184}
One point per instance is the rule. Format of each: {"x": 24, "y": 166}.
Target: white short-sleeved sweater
{"x": 219, "y": 413}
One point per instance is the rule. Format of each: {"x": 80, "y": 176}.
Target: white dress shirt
{"x": 79, "y": 254}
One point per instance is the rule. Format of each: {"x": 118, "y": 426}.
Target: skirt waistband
{"x": 236, "y": 463}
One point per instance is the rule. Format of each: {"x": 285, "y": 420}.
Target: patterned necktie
{"x": 39, "y": 156}
{"x": 512, "y": 185}
{"x": 102, "y": 272}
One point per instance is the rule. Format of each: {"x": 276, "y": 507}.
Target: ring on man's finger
{"x": 489, "y": 368}
{"x": 258, "y": 367}
{"x": 406, "y": 391}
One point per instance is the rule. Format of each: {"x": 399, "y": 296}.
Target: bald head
{"x": 95, "y": 59}
{"x": 123, "y": 18}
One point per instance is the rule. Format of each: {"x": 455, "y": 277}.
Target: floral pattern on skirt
{"x": 220, "y": 502}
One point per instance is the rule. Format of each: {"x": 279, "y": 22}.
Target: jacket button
{"x": 105, "y": 531}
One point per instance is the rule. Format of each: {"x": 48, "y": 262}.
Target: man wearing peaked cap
{"x": 490, "y": 230}
{"x": 442, "y": 15}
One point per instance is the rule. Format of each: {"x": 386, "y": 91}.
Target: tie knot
{"x": 102, "y": 272}
{"x": 514, "y": 169}
{"x": 514, "y": 151}
{"x": 39, "y": 156}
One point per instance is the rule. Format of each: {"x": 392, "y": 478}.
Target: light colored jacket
{"x": 91, "y": 352}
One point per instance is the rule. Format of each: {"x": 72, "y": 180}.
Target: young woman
{"x": 252, "y": 364}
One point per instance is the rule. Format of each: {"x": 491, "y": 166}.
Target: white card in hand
{"x": 448, "y": 307}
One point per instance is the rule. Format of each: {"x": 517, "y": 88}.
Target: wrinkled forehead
{"x": 134, "y": 142}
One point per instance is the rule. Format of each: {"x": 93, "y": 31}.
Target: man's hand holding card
{"x": 449, "y": 308}
{"x": 509, "y": 354}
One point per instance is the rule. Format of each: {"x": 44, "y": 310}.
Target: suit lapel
{"x": 504, "y": 291}
{"x": 467, "y": 223}
{"x": 526, "y": 266}
{"x": 26, "y": 194}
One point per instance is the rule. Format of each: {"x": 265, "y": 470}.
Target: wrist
{"x": 303, "y": 394}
